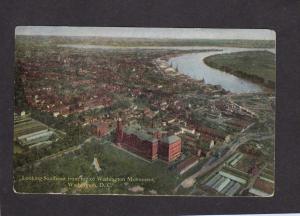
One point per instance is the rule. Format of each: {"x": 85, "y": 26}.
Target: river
{"x": 192, "y": 64}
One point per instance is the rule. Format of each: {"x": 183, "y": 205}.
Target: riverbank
{"x": 170, "y": 71}
{"x": 193, "y": 66}
{"x": 255, "y": 66}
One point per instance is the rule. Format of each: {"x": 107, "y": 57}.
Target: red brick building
{"x": 210, "y": 133}
{"x": 148, "y": 144}
{"x": 136, "y": 140}
{"x": 99, "y": 129}
{"x": 169, "y": 147}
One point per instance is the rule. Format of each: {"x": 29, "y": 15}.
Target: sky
{"x": 130, "y": 32}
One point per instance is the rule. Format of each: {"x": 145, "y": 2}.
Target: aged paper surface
{"x": 144, "y": 111}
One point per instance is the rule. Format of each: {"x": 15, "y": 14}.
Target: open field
{"x": 257, "y": 66}
{"x": 113, "y": 162}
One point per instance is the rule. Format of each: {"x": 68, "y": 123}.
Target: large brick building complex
{"x": 169, "y": 147}
{"x": 148, "y": 143}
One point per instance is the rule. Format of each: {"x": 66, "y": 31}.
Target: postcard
{"x": 144, "y": 111}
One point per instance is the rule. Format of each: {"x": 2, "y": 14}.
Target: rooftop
{"x": 170, "y": 139}
{"x": 264, "y": 186}
{"x": 139, "y": 132}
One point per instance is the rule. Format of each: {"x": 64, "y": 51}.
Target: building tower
{"x": 119, "y": 131}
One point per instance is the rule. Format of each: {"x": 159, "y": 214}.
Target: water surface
{"x": 193, "y": 65}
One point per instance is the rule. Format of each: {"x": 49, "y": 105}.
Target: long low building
{"x": 262, "y": 187}
{"x": 31, "y": 133}
{"x": 187, "y": 164}
{"x": 25, "y": 125}
{"x": 226, "y": 183}
{"x": 35, "y": 137}
{"x": 233, "y": 177}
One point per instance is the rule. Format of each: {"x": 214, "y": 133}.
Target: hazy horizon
{"x": 148, "y": 33}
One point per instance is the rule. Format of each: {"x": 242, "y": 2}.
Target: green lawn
{"x": 114, "y": 163}
{"x": 257, "y": 66}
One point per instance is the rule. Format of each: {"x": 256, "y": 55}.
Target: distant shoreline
{"x": 127, "y": 42}
{"x": 215, "y": 61}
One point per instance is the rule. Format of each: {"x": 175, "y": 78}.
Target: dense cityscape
{"x": 92, "y": 120}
